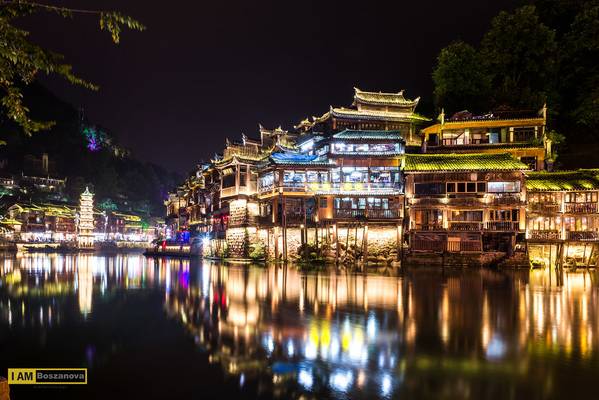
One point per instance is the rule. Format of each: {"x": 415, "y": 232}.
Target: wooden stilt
{"x": 356, "y": 243}
{"x": 347, "y": 241}
{"x": 276, "y": 243}
{"x": 284, "y": 229}
{"x": 365, "y": 244}
{"x": 336, "y": 238}
{"x": 267, "y": 252}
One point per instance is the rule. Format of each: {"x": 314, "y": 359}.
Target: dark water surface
{"x": 172, "y": 329}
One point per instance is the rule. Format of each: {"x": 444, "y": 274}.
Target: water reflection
{"x": 468, "y": 334}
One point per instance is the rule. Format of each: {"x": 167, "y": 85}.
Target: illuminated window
{"x": 503, "y": 187}
{"x": 267, "y": 180}
{"x": 294, "y": 177}
{"x": 312, "y": 176}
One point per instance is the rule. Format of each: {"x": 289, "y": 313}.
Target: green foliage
{"x": 557, "y": 141}
{"x": 21, "y": 61}
{"x": 309, "y": 253}
{"x": 107, "y": 205}
{"x": 114, "y": 21}
{"x": 515, "y": 66}
{"x": 541, "y": 53}
{"x": 460, "y": 79}
{"x": 257, "y": 251}
{"x": 580, "y": 70}
{"x": 519, "y": 54}
{"x": 75, "y": 185}
{"x": 556, "y": 137}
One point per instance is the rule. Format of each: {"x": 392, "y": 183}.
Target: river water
{"x": 171, "y": 328}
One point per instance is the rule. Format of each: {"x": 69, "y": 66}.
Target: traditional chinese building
{"x": 364, "y": 184}
{"x": 43, "y": 222}
{"x": 371, "y": 111}
{"x": 464, "y": 203}
{"x": 563, "y": 218}
{"x": 520, "y": 133}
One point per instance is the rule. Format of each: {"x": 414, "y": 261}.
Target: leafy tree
{"x": 460, "y": 79}
{"x": 107, "y": 182}
{"x": 519, "y": 53}
{"x": 579, "y": 73}
{"x": 74, "y": 187}
{"x": 21, "y": 61}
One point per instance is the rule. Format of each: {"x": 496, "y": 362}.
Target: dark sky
{"x": 207, "y": 70}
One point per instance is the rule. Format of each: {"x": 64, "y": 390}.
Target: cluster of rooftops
{"x": 386, "y": 125}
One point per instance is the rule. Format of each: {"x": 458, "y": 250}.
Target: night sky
{"x": 207, "y": 70}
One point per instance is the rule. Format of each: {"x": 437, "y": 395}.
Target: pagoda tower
{"x": 85, "y": 238}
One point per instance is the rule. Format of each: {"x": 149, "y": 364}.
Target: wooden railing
{"x": 383, "y": 214}
{"x": 545, "y": 235}
{"x": 368, "y": 213}
{"x": 583, "y": 208}
{"x": 544, "y": 207}
{"x": 465, "y": 226}
{"x": 349, "y": 213}
{"x": 390, "y": 187}
{"x": 582, "y": 235}
{"x": 505, "y": 199}
{"x": 502, "y": 226}
{"x": 428, "y": 227}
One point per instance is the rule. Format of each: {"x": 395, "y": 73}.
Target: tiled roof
{"x": 563, "y": 180}
{"x": 494, "y": 115}
{"x": 299, "y": 159}
{"x": 461, "y": 162}
{"x": 368, "y": 135}
{"x": 384, "y": 98}
{"x": 376, "y": 115}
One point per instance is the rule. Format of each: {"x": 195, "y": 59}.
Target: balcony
{"x": 505, "y": 200}
{"x": 367, "y": 213}
{"x": 465, "y": 226}
{"x": 545, "y": 208}
{"x": 375, "y": 187}
{"x": 243, "y": 189}
{"x": 502, "y": 226}
{"x": 582, "y": 235}
{"x": 428, "y": 227}
{"x": 545, "y": 235}
{"x": 334, "y": 187}
{"x": 580, "y": 208}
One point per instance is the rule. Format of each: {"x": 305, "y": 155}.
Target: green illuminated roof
{"x": 461, "y": 162}
{"x": 368, "y": 135}
{"x": 563, "y": 181}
